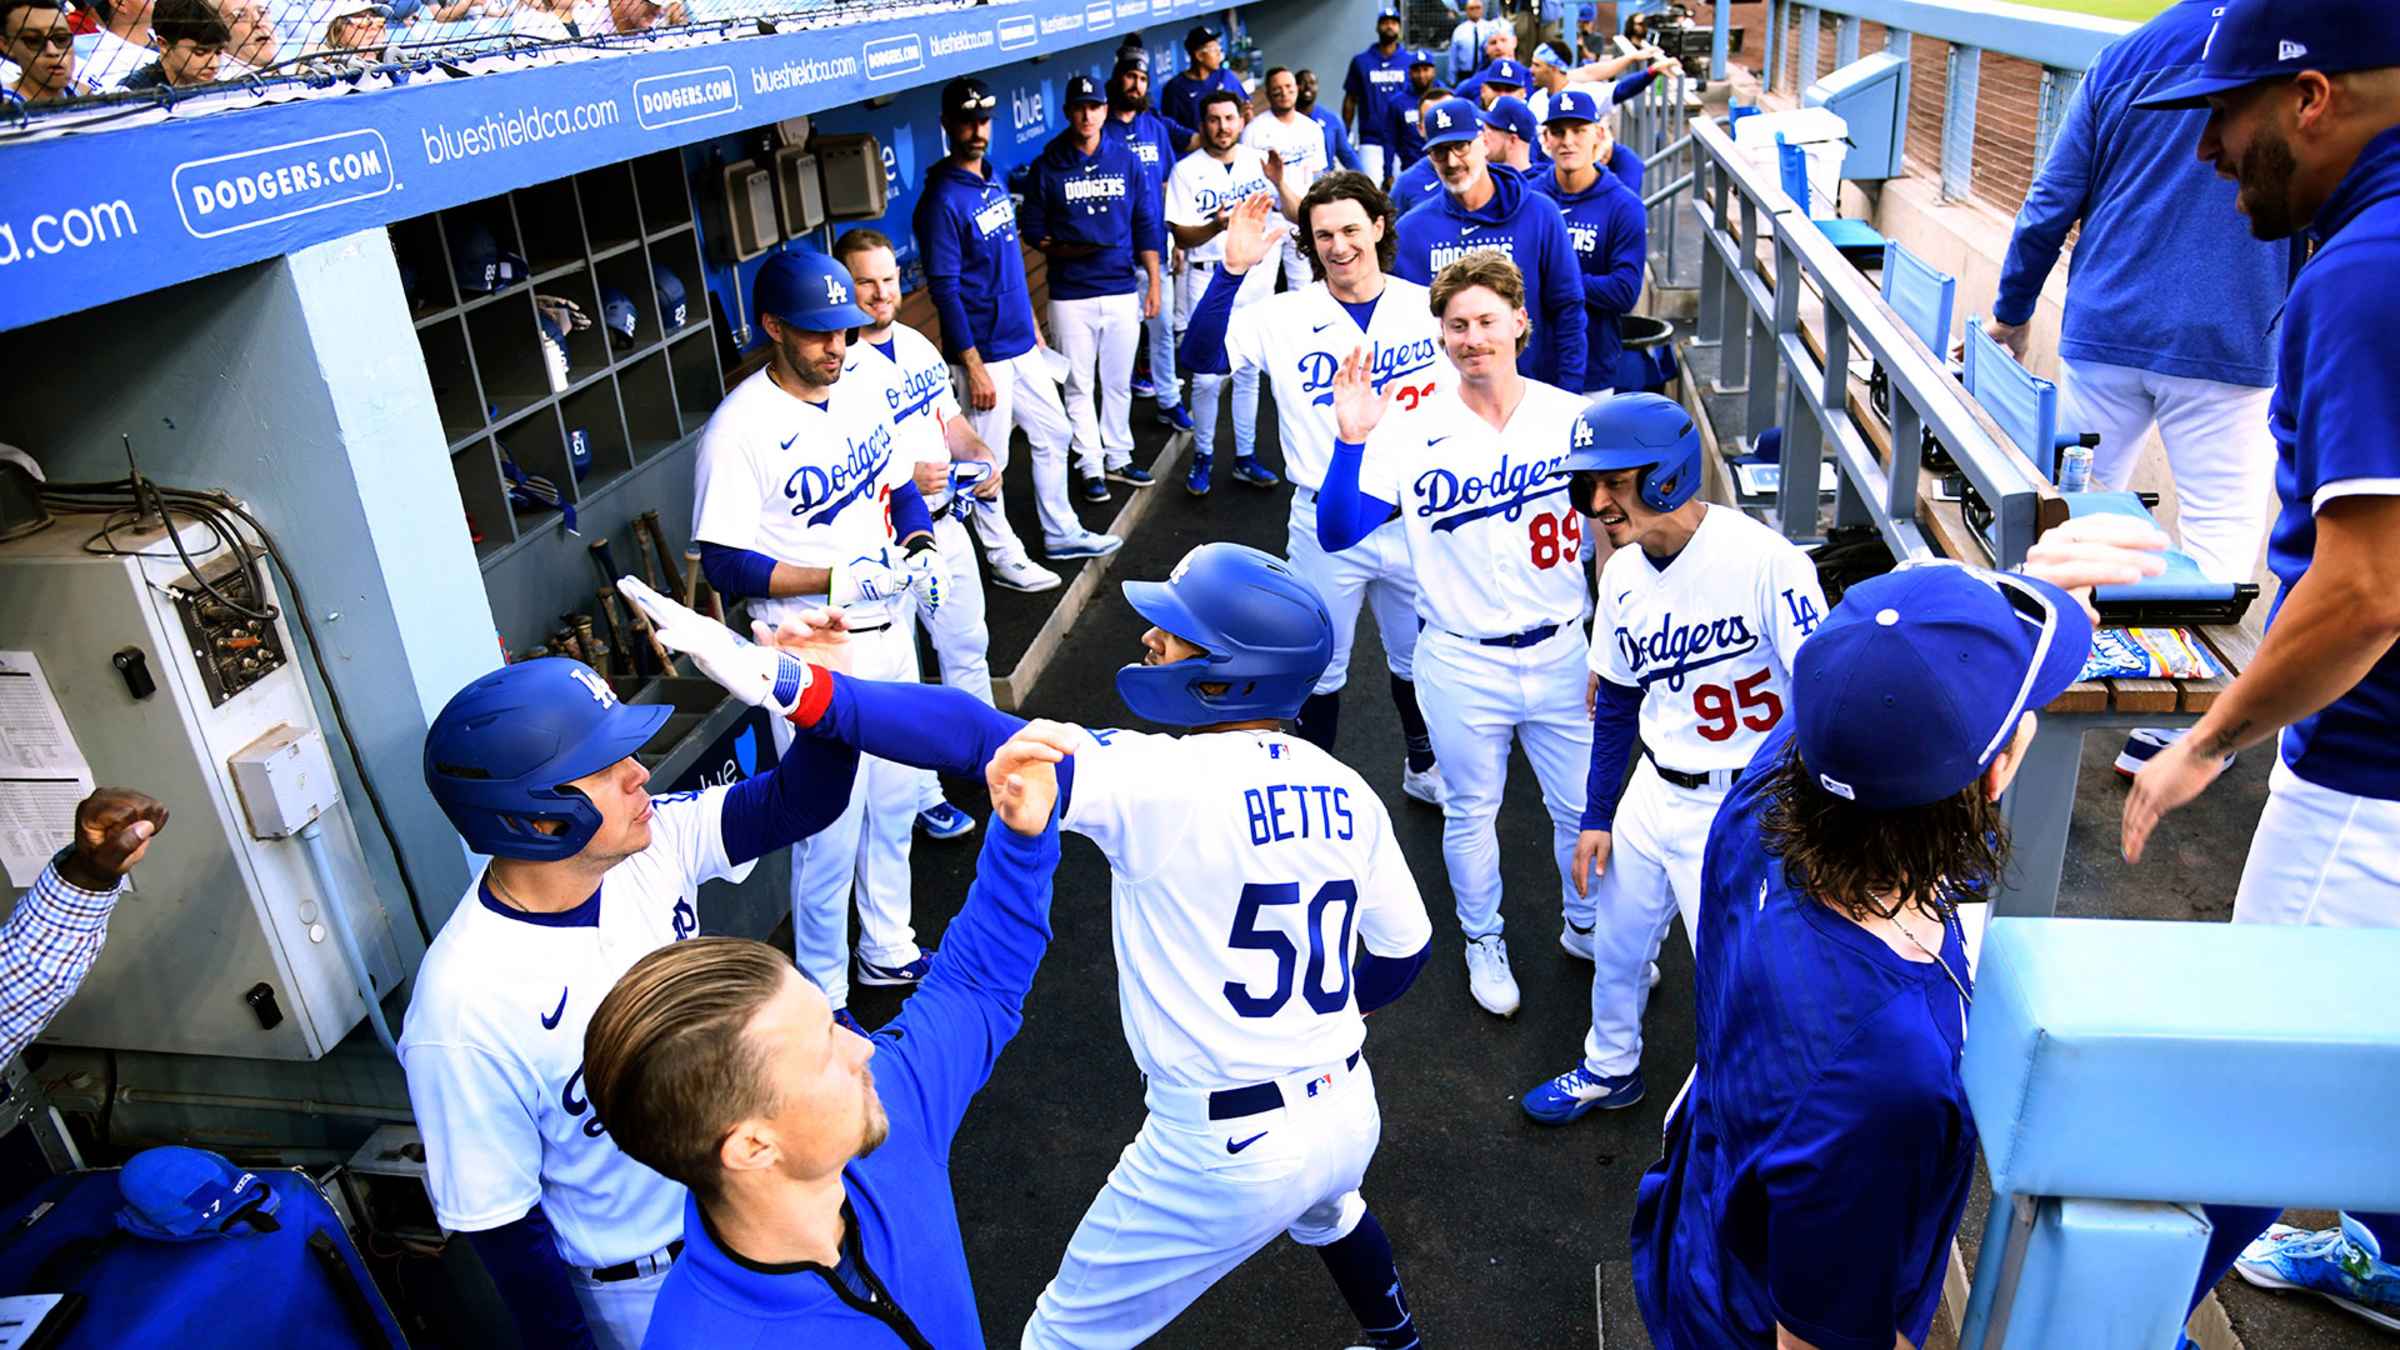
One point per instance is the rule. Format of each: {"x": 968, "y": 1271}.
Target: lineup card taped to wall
{"x": 42, "y": 771}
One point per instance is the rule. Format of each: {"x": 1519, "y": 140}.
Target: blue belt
{"x": 1234, "y": 1103}
{"x": 1529, "y": 638}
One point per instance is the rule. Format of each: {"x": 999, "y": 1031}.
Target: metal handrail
{"x": 1738, "y": 295}
{"x": 2049, "y": 37}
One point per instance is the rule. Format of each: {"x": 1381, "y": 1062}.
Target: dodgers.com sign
{"x": 250, "y": 188}
{"x": 661, "y": 101}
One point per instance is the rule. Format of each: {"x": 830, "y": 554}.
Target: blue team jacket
{"x": 1611, "y": 234}
{"x": 1179, "y": 98}
{"x": 1529, "y": 228}
{"x": 1103, "y": 199}
{"x": 967, "y": 238}
{"x": 1339, "y": 153}
{"x": 902, "y": 1219}
{"x": 2166, "y": 277}
{"x": 1377, "y": 82}
{"x": 1158, "y": 143}
{"x": 1416, "y": 185}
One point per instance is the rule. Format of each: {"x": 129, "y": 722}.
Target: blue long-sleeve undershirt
{"x": 1631, "y": 87}
{"x": 1202, "y": 351}
{"x": 1345, "y": 513}
{"x": 923, "y": 726}
{"x": 805, "y": 792}
{"x": 523, "y": 1261}
{"x": 1616, "y": 717}
{"x": 1383, "y": 979}
{"x": 910, "y": 516}
{"x": 743, "y": 574}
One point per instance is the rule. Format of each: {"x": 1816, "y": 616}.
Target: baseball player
{"x": 1159, "y": 143}
{"x": 966, "y": 228}
{"x": 1471, "y": 472}
{"x": 934, "y": 435}
{"x": 1488, "y": 206}
{"x": 1181, "y": 98}
{"x": 1605, "y": 222}
{"x": 1088, "y": 208}
{"x": 1421, "y": 181}
{"x": 1373, "y": 90}
{"x": 1701, "y": 612}
{"x": 804, "y": 496}
{"x": 1408, "y": 139}
{"x": 1207, "y": 184}
{"x": 1299, "y": 339}
{"x": 1262, "y": 1112}
{"x": 2301, "y": 104}
{"x": 535, "y": 766}
{"x": 1296, "y": 143}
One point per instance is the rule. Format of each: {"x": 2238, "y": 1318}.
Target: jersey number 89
{"x": 1555, "y": 539}
{"x": 1249, "y": 936}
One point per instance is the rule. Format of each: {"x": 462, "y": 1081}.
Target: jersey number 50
{"x": 1747, "y": 704}
{"x": 1248, "y": 936}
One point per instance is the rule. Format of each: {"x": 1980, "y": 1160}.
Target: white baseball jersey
{"x": 1300, "y": 339}
{"x": 1497, "y": 544}
{"x": 1300, "y": 143}
{"x": 1246, "y": 867}
{"x": 1708, "y": 637}
{"x": 494, "y": 1046}
{"x": 917, "y": 390}
{"x": 1201, "y": 187}
{"x": 805, "y": 483}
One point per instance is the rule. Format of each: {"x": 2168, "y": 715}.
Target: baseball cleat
{"x": 1426, "y": 787}
{"x": 1488, "y": 977}
{"x": 1195, "y": 479}
{"x": 1578, "y": 943}
{"x": 1094, "y": 489}
{"x": 2340, "y": 1265}
{"x": 843, "y": 1017}
{"x": 1174, "y": 418}
{"x": 2143, "y": 746}
{"x": 1089, "y": 544}
{"x": 1578, "y": 1091}
{"x": 1143, "y": 388}
{"x": 884, "y": 977}
{"x": 1130, "y": 475}
{"x": 1250, "y": 473}
{"x": 944, "y": 821}
{"x": 1021, "y": 573}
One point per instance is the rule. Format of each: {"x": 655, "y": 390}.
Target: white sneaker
{"x": 1021, "y": 573}
{"x": 1426, "y": 787}
{"x": 1578, "y": 944}
{"x": 1089, "y": 544}
{"x": 1488, "y": 977}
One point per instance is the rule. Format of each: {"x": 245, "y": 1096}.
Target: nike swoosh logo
{"x": 787, "y": 442}
{"x": 550, "y": 1023}
{"x": 1322, "y": 327}
{"x": 1435, "y": 440}
{"x": 1233, "y": 1147}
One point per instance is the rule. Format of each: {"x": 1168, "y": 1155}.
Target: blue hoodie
{"x": 974, "y": 265}
{"x": 1158, "y": 143}
{"x": 1529, "y": 228}
{"x": 1611, "y": 234}
{"x": 1104, "y": 200}
{"x": 902, "y": 1239}
{"x": 1179, "y": 97}
{"x": 1416, "y": 185}
{"x": 2166, "y": 277}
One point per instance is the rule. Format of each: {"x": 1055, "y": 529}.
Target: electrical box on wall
{"x": 799, "y": 196}
{"x": 226, "y": 944}
{"x": 852, "y": 170}
{"x": 747, "y": 202}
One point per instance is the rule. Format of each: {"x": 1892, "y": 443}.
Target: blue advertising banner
{"x": 97, "y": 216}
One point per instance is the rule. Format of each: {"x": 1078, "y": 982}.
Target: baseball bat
{"x": 604, "y": 557}
{"x": 619, "y": 655}
{"x": 691, "y": 580}
{"x": 658, "y": 541}
{"x": 642, "y": 545}
{"x": 590, "y": 640}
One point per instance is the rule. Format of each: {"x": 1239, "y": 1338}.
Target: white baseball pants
{"x": 1028, "y": 398}
{"x": 1099, "y": 336}
{"x": 1161, "y": 330}
{"x": 1374, "y": 571}
{"x": 2322, "y": 857}
{"x": 2218, "y": 448}
{"x": 1653, "y": 875}
{"x": 1372, "y": 160}
{"x": 618, "y": 1312}
{"x": 1476, "y": 699}
{"x": 961, "y": 643}
{"x": 864, "y": 851}
{"x": 1182, "y": 1208}
{"x": 1208, "y": 390}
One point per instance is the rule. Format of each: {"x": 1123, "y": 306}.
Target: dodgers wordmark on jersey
{"x": 493, "y": 1048}
{"x": 1201, "y": 188}
{"x": 1300, "y": 339}
{"x": 804, "y": 483}
{"x": 1262, "y": 836}
{"x": 917, "y": 389}
{"x": 1708, "y": 637}
{"x": 1497, "y": 542}
{"x": 1300, "y": 143}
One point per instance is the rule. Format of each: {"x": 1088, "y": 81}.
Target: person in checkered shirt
{"x": 49, "y": 941}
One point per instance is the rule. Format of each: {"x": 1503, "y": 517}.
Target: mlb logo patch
{"x": 1319, "y": 1083}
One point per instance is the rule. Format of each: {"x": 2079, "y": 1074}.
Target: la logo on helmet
{"x": 1583, "y": 433}
{"x": 1441, "y": 119}
{"x": 597, "y": 687}
{"x": 834, "y": 292}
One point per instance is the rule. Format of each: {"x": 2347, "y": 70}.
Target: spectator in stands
{"x": 1408, "y": 139}
{"x": 1088, "y": 207}
{"x": 1372, "y": 92}
{"x": 1421, "y": 181}
{"x": 1158, "y": 142}
{"x": 1466, "y": 41}
{"x": 53, "y": 935}
{"x": 1500, "y": 46}
{"x": 254, "y": 40}
{"x": 192, "y": 37}
{"x": 1605, "y": 221}
{"x": 35, "y": 37}
{"x": 1509, "y": 133}
{"x": 1526, "y": 31}
{"x": 1339, "y": 152}
{"x": 1484, "y": 205}
{"x": 974, "y": 261}
{"x": 358, "y": 27}
{"x": 2139, "y": 345}
{"x": 1180, "y": 98}
{"x": 124, "y": 43}
{"x": 547, "y": 20}
{"x": 1295, "y": 149}
{"x": 638, "y": 16}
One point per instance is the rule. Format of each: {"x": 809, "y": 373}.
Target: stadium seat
{"x": 1858, "y": 241}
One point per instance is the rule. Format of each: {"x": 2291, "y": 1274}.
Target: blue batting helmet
{"x": 809, "y": 291}
{"x": 1638, "y": 431}
{"x": 1265, "y": 631}
{"x": 501, "y": 753}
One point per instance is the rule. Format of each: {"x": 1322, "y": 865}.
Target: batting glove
{"x": 759, "y": 676}
{"x": 924, "y": 564}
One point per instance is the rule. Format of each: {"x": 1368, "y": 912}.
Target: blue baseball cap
{"x": 178, "y": 1194}
{"x": 1510, "y": 114}
{"x": 809, "y": 291}
{"x": 1918, "y": 679}
{"x": 1502, "y": 72}
{"x": 1571, "y": 105}
{"x": 1084, "y": 89}
{"x": 1450, "y": 121}
{"x": 1421, "y": 57}
{"x": 2254, "y": 40}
